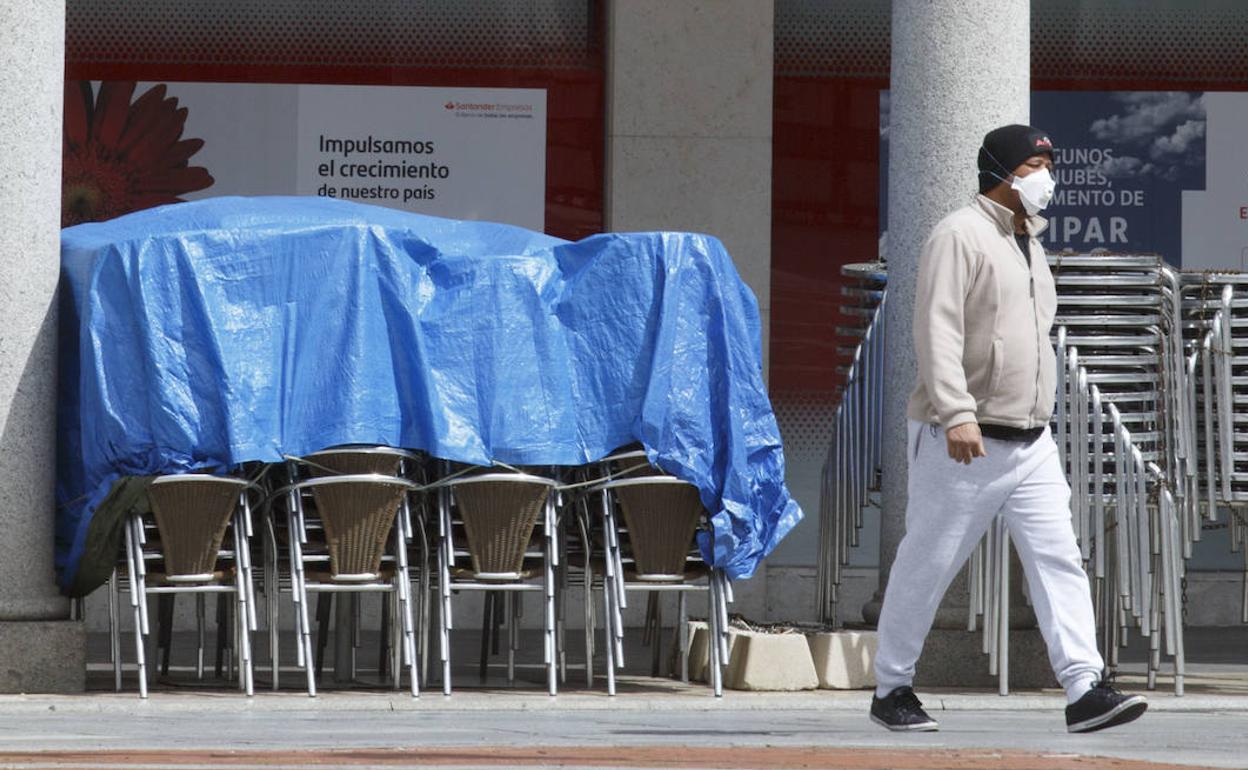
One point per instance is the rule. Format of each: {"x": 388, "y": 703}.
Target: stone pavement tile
{"x": 639, "y": 694}
{"x": 677, "y": 758}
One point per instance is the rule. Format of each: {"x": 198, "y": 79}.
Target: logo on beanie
{"x": 1044, "y": 142}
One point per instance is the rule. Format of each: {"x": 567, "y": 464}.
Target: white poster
{"x": 465, "y": 153}
{"x": 1215, "y": 220}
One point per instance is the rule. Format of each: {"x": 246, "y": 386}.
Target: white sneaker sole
{"x": 1127, "y": 711}
{"x": 921, "y": 727}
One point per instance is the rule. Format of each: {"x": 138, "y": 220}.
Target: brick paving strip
{"x": 675, "y": 757}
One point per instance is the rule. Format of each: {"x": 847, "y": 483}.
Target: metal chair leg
{"x": 383, "y": 647}
{"x": 114, "y": 628}
{"x": 656, "y": 654}
{"x": 222, "y": 617}
{"x": 200, "y": 613}
{"x": 682, "y": 613}
{"x": 324, "y": 611}
{"x": 608, "y": 629}
{"x": 137, "y": 601}
{"x": 487, "y": 631}
{"x": 588, "y": 619}
{"x": 712, "y": 641}
{"x": 512, "y": 622}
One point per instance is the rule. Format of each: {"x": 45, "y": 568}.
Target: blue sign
{"x": 1122, "y": 162}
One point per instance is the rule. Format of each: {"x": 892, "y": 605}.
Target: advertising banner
{"x": 465, "y": 153}
{"x": 1215, "y": 219}
{"x": 1141, "y": 172}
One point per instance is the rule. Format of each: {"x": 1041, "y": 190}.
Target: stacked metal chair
{"x": 861, "y": 293}
{"x": 1215, "y": 325}
{"x": 647, "y": 521}
{"x": 349, "y": 529}
{"x": 1118, "y": 311}
{"x": 851, "y": 471}
{"x": 179, "y": 548}
{"x": 499, "y": 532}
{"x": 1120, "y": 424}
{"x": 1215, "y": 307}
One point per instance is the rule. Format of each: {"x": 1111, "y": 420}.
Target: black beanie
{"x": 1005, "y": 148}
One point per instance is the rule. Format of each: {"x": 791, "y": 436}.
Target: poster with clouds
{"x": 1124, "y": 159}
{"x": 1142, "y": 171}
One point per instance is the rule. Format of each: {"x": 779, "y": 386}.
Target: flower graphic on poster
{"x": 122, "y": 156}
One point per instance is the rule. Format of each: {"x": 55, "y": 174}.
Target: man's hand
{"x": 965, "y": 442}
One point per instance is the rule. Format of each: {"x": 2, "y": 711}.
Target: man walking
{"x": 979, "y": 441}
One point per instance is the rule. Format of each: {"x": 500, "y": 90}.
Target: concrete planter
{"x": 779, "y": 662}
{"x": 844, "y": 660}
{"x": 771, "y": 662}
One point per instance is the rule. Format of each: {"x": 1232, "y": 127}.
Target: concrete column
{"x": 688, "y": 146}
{"x": 40, "y": 650}
{"x": 958, "y": 71}
{"x": 689, "y": 117}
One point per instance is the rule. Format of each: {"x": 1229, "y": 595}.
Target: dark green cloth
{"x": 106, "y": 533}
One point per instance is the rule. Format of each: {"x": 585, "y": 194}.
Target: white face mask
{"x": 1035, "y": 190}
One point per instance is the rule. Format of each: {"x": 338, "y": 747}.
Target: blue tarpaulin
{"x": 240, "y": 329}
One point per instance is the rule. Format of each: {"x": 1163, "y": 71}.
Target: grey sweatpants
{"x": 951, "y": 507}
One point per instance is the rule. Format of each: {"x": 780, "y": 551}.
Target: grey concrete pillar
{"x": 40, "y": 650}
{"x": 688, "y": 146}
{"x": 959, "y": 69}
{"x": 689, "y": 88}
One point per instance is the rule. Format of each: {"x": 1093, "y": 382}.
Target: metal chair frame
{"x": 277, "y": 580}
{"x": 448, "y": 584}
{"x": 403, "y": 646}
{"x": 616, "y": 587}
{"x": 136, "y": 573}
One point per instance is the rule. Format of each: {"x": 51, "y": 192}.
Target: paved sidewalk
{"x": 652, "y": 723}
{"x": 644, "y": 726}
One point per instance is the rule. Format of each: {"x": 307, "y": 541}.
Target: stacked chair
{"x": 861, "y": 294}
{"x": 354, "y": 520}
{"x": 1120, "y": 409}
{"x": 1215, "y": 309}
{"x": 177, "y": 548}
{"x": 1118, "y": 311}
{"x": 1152, "y": 422}
{"x": 851, "y": 471}
{"x": 349, "y": 529}
{"x": 648, "y": 521}
{"x": 1115, "y": 318}
{"x": 498, "y": 533}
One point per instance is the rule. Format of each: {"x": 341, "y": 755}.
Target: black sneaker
{"x": 901, "y": 711}
{"x": 1102, "y": 707}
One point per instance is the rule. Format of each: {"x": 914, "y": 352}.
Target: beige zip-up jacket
{"x": 981, "y": 323}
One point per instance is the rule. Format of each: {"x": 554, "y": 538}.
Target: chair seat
{"x": 527, "y": 572}
{"x": 384, "y": 575}
{"x": 694, "y": 571}
{"x": 217, "y": 577}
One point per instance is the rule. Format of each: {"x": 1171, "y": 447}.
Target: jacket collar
{"x": 1004, "y": 218}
